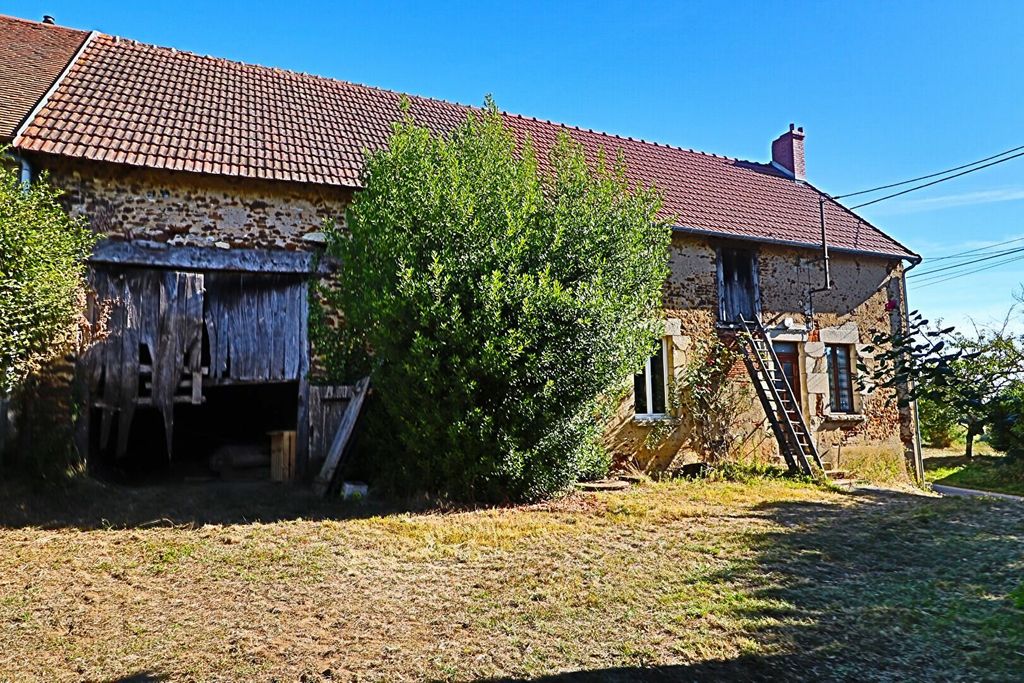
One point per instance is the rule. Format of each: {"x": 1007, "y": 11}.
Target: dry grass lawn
{"x": 672, "y": 581}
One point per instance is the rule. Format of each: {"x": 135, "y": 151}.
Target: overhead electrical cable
{"x": 962, "y": 254}
{"x": 926, "y": 177}
{"x": 955, "y": 266}
{"x": 970, "y": 272}
{"x": 936, "y": 182}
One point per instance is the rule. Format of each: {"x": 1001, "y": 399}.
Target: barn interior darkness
{"x": 232, "y": 424}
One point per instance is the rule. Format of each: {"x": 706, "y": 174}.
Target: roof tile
{"x": 32, "y": 56}
{"x": 163, "y": 108}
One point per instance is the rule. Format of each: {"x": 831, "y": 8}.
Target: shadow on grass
{"x": 893, "y": 587}
{"x": 141, "y": 677}
{"x": 745, "y": 668}
{"x": 92, "y": 504}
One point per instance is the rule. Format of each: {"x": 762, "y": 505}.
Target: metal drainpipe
{"x": 26, "y": 171}
{"x": 918, "y": 455}
{"x": 827, "y": 286}
{"x": 24, "y": 168}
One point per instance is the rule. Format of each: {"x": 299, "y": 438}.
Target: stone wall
{"x": 125, "y": 202}
{"x": 866, "y": 297}
{"x": 177, "y": 208}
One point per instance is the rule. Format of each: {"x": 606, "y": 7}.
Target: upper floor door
{"x": 739, "y": 293}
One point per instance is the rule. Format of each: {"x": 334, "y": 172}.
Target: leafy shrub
{"x": 499, "y": 303}
{"x": 42, "y": 277}
{"x": 939, "y": 422}
{"x": 1006, "y": 430}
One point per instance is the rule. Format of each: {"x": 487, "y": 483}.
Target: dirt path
{"x": 974, "y": 493}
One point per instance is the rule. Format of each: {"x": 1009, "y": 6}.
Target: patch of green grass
{"x": 982, "y": 472}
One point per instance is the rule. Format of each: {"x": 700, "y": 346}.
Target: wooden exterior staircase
{"x": 795, "y": 440}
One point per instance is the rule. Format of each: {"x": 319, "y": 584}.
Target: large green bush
{"x": 940, "y": 425}
{"x": 42, "y": 276}
{"x": 498, "y": 303}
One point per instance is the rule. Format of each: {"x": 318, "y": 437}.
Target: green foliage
{"x": 964, "y": 374}
{"x": 940, "y": 425}
{"x": 42, "y": 276}
{"x": 1017, "y": 595}
{"x": 1006, "y": 430}
{"x": 709, "y": 399}
{"x": 498, "y": 304}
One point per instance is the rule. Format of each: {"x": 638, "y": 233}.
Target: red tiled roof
{"x": 131, "y": 103}
{"x": 32, "y": 56}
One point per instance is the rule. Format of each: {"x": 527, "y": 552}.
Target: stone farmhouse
{"x": 209, "y": 181}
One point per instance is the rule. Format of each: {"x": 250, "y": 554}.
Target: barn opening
{"x": 202, "y": 374}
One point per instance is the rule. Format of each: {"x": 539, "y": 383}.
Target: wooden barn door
{"x": 327, "y": 405}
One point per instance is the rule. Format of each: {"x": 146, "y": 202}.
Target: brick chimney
{"x": 788, "y": 153}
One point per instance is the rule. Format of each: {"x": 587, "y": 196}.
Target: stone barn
{"x": 209, "y": 181}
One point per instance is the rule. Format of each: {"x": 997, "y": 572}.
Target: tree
{"x": 964, "y": 374}
{"x": 940, "y": 425}
{"x": 1007, "y": 422}
{"x": 42, "y": 276}
{"x": 496, "y": 304}
{"x": 993, "y": 362}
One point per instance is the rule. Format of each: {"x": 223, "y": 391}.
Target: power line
{"x": 935, "y": 275}
{"x": 926, "y": 177}
{"x": 987, "y": 257}
{"x": 961, "y": 254}
{"x": 970, "y": 272}
{"x": 935, "y": 182}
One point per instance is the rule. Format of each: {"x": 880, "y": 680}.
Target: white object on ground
{"x": 354, "y": 489}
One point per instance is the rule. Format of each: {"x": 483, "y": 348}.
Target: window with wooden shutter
{"x": 840, "y": 379}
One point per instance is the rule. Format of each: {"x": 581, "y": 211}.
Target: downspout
{"x": 918, "y": 455}
{"x": 827, "y": 285}
{"x": 24, "y": 167}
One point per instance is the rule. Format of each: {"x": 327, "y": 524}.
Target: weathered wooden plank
{"x": 325, "y": 478}
{"x": 292, "y": 342}
{"x": 129, "y": 334}
{"x": 112, "y": 366}
{"x": 313, "y": 413}
{"x": 160, "y": 255}
{"x": 225, "y": 332}
{"x": 265, "y": 330}
{"x": 302, "y": 373}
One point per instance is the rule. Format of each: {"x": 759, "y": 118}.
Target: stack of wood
{"x": 282, "y": 456}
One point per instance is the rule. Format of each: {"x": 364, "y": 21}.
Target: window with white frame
{"x": 650, "y": 387}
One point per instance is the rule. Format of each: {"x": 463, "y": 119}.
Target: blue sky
{"x": 885, "y": 91}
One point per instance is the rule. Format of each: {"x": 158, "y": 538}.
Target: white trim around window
{"x": 649, "y": 403}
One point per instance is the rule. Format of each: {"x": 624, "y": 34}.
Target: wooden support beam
{"x": 160, "y": 255}
{"x": 323, "y": 482}
{"x": 197, "y": 388}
